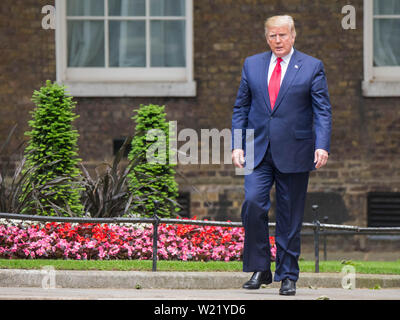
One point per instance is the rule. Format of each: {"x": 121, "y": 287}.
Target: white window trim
{"x": 378, "y": 81}
{"x": 124, "y": 82}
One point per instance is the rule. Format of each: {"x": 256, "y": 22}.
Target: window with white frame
{"x": 125, "y": 47}
{"x": 381, "y": 48}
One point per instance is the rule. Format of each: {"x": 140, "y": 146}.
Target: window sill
{"x": 381, "y": 88}
{"x": 131, "y": 89}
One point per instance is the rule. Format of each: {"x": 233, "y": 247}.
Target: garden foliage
{"x": 156, "y": 177}
{"x": 52, "y": 150}
{"x": 13, "y": 181}
{"x": 106, "y": 194}
{"x": 110, "y": 242}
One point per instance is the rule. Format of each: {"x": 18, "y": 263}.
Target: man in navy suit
{"x": 283, "y": 97}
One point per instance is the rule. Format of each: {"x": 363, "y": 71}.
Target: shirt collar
{"x": 285, "y": 59}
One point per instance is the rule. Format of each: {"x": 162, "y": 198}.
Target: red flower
{"x": 272, "y": 241}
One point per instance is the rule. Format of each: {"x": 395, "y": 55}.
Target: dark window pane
{"x": 167, "y": 8}
{"x": 127, "y": 43}
{"x": 386, "y": 42}
{"x": 386, "y": 7}
{"x": 85, "y": 8}
{"x": 168, "y": 43}
{"x": 85, "y": 43}
{"x": 127, "y": 7}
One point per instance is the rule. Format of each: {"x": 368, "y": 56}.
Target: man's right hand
{"x": 238, "y": 158}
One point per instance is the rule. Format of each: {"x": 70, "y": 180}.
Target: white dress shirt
{"x": 284, "y": 64}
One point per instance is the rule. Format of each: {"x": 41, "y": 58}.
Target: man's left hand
{"x": 320, "y": 158}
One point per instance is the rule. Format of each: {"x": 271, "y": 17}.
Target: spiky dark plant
{"x": 107, "y": 194}
{"x": 13, "y": 180}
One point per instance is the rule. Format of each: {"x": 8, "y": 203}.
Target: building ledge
{"x": 131, "y": 89}
{"x": 381, "y": 88}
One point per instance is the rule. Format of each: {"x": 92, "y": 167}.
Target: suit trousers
{"x": 290, "y": 191}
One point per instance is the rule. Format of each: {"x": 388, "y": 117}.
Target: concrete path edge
{"x": 174, "y": 280}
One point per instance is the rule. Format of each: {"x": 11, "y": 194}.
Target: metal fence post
{"x": 324, "y": 233}
{"x": 155, "y": 235}
{"x": 316, "y": 237}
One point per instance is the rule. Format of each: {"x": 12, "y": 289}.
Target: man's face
{"x": 280, "y": 40}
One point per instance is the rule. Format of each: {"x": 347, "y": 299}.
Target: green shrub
{"x": 12, "y": 180}
{"x": 153, "y": 181}
{"x": 52, "y": 150}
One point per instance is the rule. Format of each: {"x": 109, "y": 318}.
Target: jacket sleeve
{"x": 321, "y": 109}
{"x": 241, "y": 111}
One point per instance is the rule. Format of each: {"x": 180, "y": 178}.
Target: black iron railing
{"x": 317, "y": 227}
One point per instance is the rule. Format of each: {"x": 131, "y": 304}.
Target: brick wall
{"x": 27, "y": 60}
{"x": 366, "y": 131}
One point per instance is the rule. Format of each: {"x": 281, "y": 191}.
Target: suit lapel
{"x": 291, "y": 72}
{"x": 264, "y": 79}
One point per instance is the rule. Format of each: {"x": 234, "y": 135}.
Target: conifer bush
{"x": 153, "y": 181}
{"x": 52, "y": 149}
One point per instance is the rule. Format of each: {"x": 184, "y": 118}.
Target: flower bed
{"x": 108, "y": 241}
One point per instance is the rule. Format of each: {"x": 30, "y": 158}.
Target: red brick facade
{"x": 366, "y": 131}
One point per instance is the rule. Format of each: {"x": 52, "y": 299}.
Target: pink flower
{"x": 101, "y": 253}
{"x": 101, "y": 241}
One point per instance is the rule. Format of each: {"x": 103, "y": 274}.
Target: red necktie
{"x": 275, "y": 83}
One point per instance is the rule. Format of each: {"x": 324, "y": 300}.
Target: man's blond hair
{"x": 280, "y": 21}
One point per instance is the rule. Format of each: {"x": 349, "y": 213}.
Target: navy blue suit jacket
{"x": 301, "y": 120}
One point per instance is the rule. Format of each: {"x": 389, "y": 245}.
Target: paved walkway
{"x": 177, "y": 280}
{"x": 136, "y": 285}
{"x": 168, "y": 294}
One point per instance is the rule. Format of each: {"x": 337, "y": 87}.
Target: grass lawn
{"x": 371, "y": 267}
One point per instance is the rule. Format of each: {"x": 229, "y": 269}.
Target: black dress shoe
{"x": 288, "y": 288}
{"x": 257, "y": 279}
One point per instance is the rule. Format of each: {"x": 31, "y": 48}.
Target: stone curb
{"x": 173, "y": 280}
